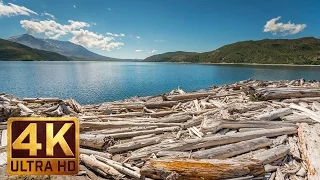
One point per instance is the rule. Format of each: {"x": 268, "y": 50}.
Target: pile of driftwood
{"x": 247, "y": 130}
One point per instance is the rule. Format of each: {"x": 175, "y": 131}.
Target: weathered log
{"x": 313, "y": 115}
{"x": 193, "y": 122}
{"x": 174, "y": 154}
{"x": 160, "y": 114}
{"x": 163, "y": 146}
{"x": 126, "y": 106}
{"x": 249, "y": 129}
{"x": 89, "y": 152}
{"x": 188, "y": 169}
{"x": 42, "y": 100}
{"x": 287, "y": 93}
{"x": 104, "y": 125}
{"x": 309, "y": 142}
{"x": 3, "y": 98}
{"x": 143, "y": 132}
{"x": 133, "y": 145}
{"x": 25, "y": 108}
{"x": 217, "y": 125}
{"x": 297, "y": 118}
{"x": 232, "y": 138}
{"x": 243, "y": 108}
{"x": 194, "y": 96}
{"x": 119, "y": 167}
{"x": 272, "y": 154}
{"x": 188, "y": 96}
{"x": 124, "y": 115}
{"x": 131, "y": 114}
{"x": 274, "y": 114}
{"x": 56, "y": 113}
{"x": 94, "y": 141}
{"x": 249, "y": 155}
{"x": 160, "y": 104}
{"x": 143, "y": 137}
{"x": 296, "y": 100}
{"x": 74, "y": 105}
{"x": 175, "y": 119}
{"x": 230, "y": 150}
{"x": 121, "y": 130}
{"x": 94, "y": 164}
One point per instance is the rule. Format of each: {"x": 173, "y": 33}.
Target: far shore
{"x": 249, "y": 64}
{"x": 205, "y": 63}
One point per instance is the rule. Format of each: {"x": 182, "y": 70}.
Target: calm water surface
{"x": 96, "y": 82}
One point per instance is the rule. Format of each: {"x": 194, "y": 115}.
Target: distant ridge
{"x": 267, "y": 51}
{"x": 11, "y": 51}
{"x": 65, "y": 48}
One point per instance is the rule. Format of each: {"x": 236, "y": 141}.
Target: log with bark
{"x": 201, "y": 169}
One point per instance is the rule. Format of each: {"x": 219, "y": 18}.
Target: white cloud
{"x": 153, "y": 51}
{"x": 139, "y": 50}
{"x": 82, "y": 37}
{"x": 74, "y": 6}
{"x": 14, "y": 10}
{"x": 285, "y": 29}
{"x": 138, "y": 37}
{"x": 51, "y": 28}
{"x": 47, "y": 14}
{"x": 115, "y": 35}
{"x": 93, "y": 40}
{"x": 109, "y": 9}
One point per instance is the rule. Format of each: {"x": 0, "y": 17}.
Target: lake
{"x": 96, "y": 82}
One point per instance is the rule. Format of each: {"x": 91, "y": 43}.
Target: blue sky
{"x": 140, "y": 28}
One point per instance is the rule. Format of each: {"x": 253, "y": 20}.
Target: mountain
{"x": 267, "y": 51}
{"x": 177, "y": 56}
{"x": 11, "y": 51}
{"x": 65, "y": 48}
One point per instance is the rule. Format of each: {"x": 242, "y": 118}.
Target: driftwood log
{"x": 232, "y": 138}
{"x": 309, "y": 142}
{"x": 187, "y": 169}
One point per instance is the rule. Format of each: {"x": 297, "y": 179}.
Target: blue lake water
{"x": 96, "y": 82}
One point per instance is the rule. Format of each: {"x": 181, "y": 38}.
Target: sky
{"x": 141, "y": 28}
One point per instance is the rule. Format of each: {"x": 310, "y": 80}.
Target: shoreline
{"x": 250, "y": 115}
{"x": 200, "y": 63}
{"x": 245, "y": 64}
{"x": 257, "y": 64}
